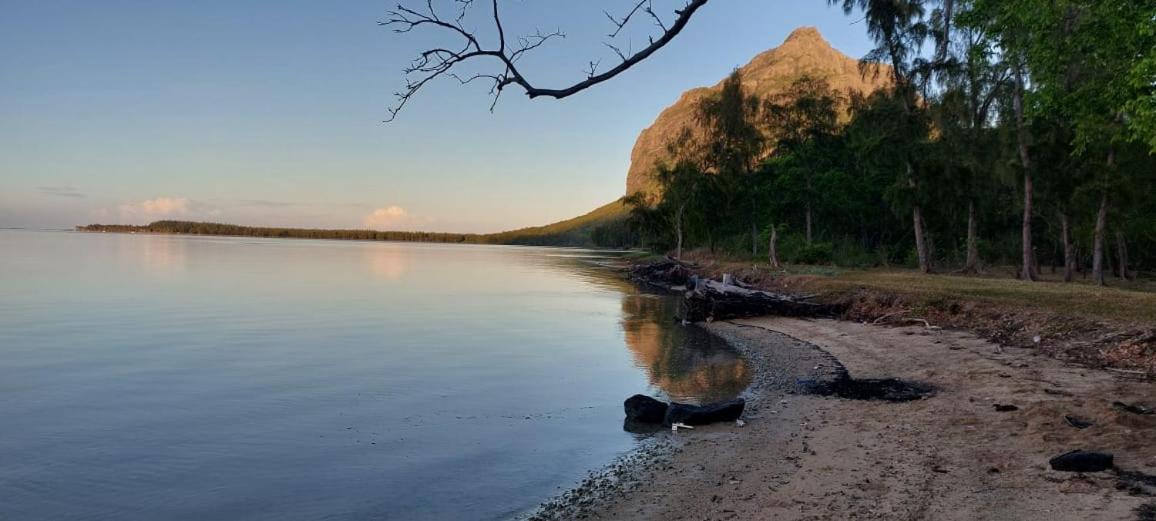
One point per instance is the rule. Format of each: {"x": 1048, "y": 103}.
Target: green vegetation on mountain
{"x": 604, "y": 226}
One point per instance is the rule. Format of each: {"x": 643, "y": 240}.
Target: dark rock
{"x": 1078, "y": 422}
{"x": 999, "y": 407}
{"x": 1082, "y": 461}
{"x": 1132, "y": 408}
{"x": 1146, "y": 512}
{"x": 1136, "y": 483}
{"x": 702, "y": 415}
{"x": 644, "y": 409}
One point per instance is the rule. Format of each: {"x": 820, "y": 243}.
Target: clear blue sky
{"x": 270, "y": 112}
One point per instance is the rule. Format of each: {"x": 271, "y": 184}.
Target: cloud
{"x": 263, "y": 203}
{"x": 61, "y": 191}
{"x": 159, "y": 207}
{"x": 164, "y": 207}
{"x": 389, "y": 217}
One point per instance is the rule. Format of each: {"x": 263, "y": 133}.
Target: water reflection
{"x": 264, "y": 379}
{"x": 154, "y": 253}
{"x": 385, "y": 261}
{"x": 685, "y": 363}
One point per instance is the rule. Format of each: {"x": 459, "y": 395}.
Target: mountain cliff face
{"x": 805, "y": 52}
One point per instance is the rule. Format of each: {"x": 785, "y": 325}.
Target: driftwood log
{"x": 667, "y": 274}
{"x": 708, "y": 300}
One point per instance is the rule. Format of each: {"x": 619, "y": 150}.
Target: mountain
{"x": 571, "y": 232}
{"x": 804, "y": 52}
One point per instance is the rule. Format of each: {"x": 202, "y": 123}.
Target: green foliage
{"x": 571, "y": 232}
{"x": 814, "y": 253}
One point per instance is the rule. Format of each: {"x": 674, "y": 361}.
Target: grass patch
{"x": 1137, "y": 302}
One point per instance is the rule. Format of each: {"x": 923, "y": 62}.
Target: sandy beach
{"x": 952, "y": 456}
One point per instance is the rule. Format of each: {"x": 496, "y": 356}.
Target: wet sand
{"x": 949, "y": 457}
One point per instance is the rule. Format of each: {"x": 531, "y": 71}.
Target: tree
{"x": 1082, "y": 55}
{"x": 898, "y": 29}
{"x": 643, "y": 216}
{"x": 733, "y": 144}
{"x": 972, "y": 80}
{"x": 680, "y": 184}
{"x": 803, "y": 120}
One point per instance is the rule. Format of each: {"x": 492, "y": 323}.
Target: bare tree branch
{"x": 621, "y": 23}
{"x": 434, "y": 63}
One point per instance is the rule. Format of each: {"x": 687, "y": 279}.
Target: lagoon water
{"x": 152, "y": 377}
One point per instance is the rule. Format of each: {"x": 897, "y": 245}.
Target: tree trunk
{"x": 1101, "y": 226}
{"x": 1026, "y": 160}
{"x": 807, "y": 216}
{"x": 1028, "y": 251}
{"x": 678, "y": 233}
{"x": 972, "y": 265}
{"x": 754, "y": 239}
{"x": 1069, "y": 248}
{"x": 1098, "y": 241}
{"x": 917, "y": 223}
{"x": 920, "y": 240}
{"x": 773, "y": 248}
{"x": 948, "y": 14}
{"x": 807, "y": 221}
{"x": 1122, "y": 254}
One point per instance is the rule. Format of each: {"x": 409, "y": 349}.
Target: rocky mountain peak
{"x": 805, "y": 36}
{"x": 804, "y": 52}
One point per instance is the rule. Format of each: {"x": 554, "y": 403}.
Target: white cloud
{"x": 164, "y": 207}
{"x": 389, "y": 217}
{"x": 159, "y": 207}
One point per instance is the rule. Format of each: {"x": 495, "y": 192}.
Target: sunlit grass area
{"x": 1131, "y": 300}
{"x": 1120, "y": 300}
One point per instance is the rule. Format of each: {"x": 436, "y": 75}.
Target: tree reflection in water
{"x": 685, "y": 363}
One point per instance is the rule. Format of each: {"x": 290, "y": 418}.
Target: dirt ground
{"x": 948, "y": 457}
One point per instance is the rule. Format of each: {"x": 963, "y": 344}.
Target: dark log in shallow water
{"x": 713, "y": 300}
{"x": 641, "y": 410}
{"x": 644, "y": 409}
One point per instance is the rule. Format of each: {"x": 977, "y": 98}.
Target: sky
{"x": 271, "y": 112}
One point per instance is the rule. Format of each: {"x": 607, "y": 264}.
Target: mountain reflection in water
{"x": 685, "y": 363}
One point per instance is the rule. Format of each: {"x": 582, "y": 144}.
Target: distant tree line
{"x": 603, "y": 226}
{"x": 1024, "y": 134}
{"x": 207, "y": 228}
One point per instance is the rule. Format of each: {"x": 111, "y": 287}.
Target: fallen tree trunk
{"x": 667, "y": 274}
{"x": 708, "y": 300}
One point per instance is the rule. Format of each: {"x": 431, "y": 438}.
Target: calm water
{"x": 153, "y": 377}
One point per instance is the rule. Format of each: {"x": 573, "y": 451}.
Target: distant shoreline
{"x": 232, "y": 230}
{"x": 601, "y": 228}
{"x": 178, "y": 234}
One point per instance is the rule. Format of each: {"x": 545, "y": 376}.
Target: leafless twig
{"x": 442, "y": 61}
